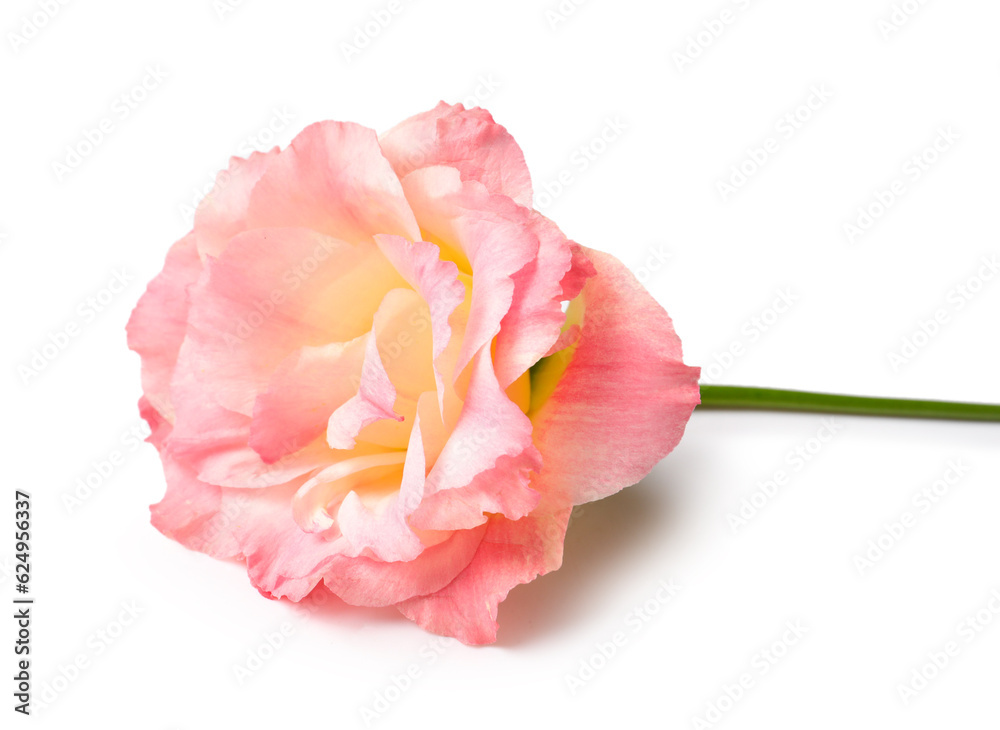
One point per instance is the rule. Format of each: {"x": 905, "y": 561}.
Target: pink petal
{"x": 625, "y": 397}
{"x": 158, "y": 322}
{"x": 437, "y": 282}
{"x": 271, "y": 292}
{"x": 191, "y": 513}
{"x": 466, "y": 139}
{"x": 504, "y": 489}
{"x": 405, "y": 342}
{"x": 382, "y": 530}
{"x": 512, "y": 552}
{"x": 223, "y": 212}
{"x": 282, "y": 560}
{"x": 308, "y": 386}
{"x": 317, "y": 500}
{"x": 580, "y": 270}
{"x": 494, "y": 233}
{"x": 370, "y": 582}
{"x": 373, "y": 402}
{"x": 159, "y": 427}
{"x": 535, "y": 318}
{"x": 255, "y": 525}
{"x": 333, "y": 178}
{"x": 482, "y": 467}
{"x": 213, "y": 441}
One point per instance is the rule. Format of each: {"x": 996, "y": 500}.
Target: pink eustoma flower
{"x": 372, "y": 368}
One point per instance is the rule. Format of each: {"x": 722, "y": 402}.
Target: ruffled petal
{"x": 493, "y": 232}
{"x": 305, "y": 390}
{"x": 255, "y": 525}
{"x": 333, "y": 178}
{"x": 271, "y": 292}
{"x": 511, "y": 552}
{"x": 369, "y": 582}
{"x": 380, "y": 529}
{"x": 373, "y": 402}
{"x": 222, "y": 213}
{"x": 282, "y": 560}
{"x": 483, "y": 466}
{"x": 159, "y": 427}
{"x": 466, "y": 139}
{"x": 191, "y": 512}
{"x": 405, "y": 342}
{"x": 214, "y": 442}
{"x": 436, "y": 280}
{"x": 318, "y": 499}
{"x": 580, "y": 270}
{"x": 625, "y": 395}
{"x": 504, "y": 489}
{"x": 157, "y": 325}
{"x": 535, "y": 318}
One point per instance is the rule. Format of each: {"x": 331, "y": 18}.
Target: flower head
{"x": 373, "y": 368}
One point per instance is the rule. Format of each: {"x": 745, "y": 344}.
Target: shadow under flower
{"x": 603, "y": 537}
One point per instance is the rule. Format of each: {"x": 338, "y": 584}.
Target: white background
{"x": 649, "y": 194}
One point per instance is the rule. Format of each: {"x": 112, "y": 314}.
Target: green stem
{"x": 770, "y": 399}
